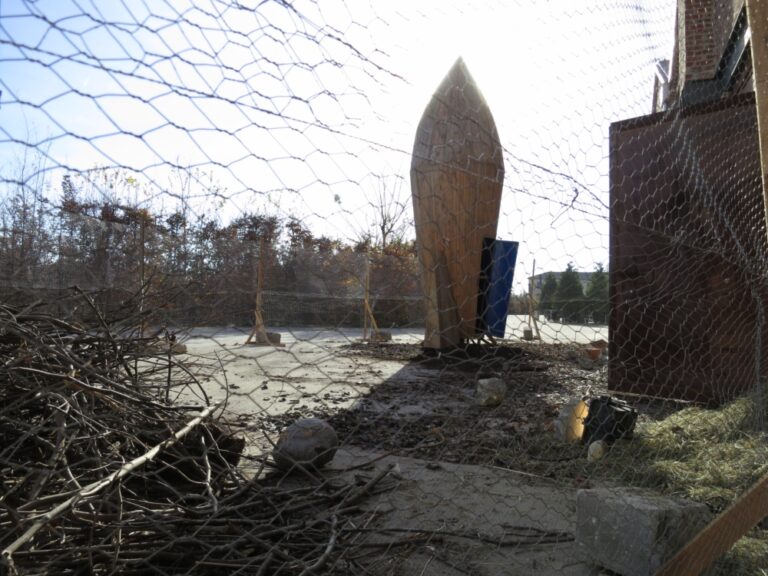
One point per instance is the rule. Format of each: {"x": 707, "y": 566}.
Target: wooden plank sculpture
{"x": 457, "y": 173}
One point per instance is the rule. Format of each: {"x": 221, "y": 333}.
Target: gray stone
{"x": 596, "y": 450}
{"x": 309, "y": 442}
{"x": 490, "y": 391}
{"x": 634, "y": 534}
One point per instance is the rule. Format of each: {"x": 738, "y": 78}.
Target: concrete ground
{"x": 554, "y": 332}
{"x": 484, "y": 521}
{"x": 467, "y": 520}
{"x": 309, "y": 368}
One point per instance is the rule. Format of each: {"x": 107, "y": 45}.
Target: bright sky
{"x": 302, "y": 111}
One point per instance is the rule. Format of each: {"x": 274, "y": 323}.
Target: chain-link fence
{"x": 286, "y": 288}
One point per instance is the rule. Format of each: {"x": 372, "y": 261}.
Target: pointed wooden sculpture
{"x": 457, "y": 172}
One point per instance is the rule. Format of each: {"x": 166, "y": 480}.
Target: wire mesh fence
{"x": 210, "y": 275}
{"x": 288, "y": 289}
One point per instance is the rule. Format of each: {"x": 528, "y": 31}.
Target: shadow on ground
{"x": 428, "y": 408}
{"x": 480, "y": 490}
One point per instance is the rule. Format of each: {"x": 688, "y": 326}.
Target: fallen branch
{"x": 320, "y": 562}
{"x": 95, "y": 487}
{"x": 124, "y": 480}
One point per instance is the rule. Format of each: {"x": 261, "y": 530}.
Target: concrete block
{"x": 273, "y": 337}
{"x": 633, "y": 534}
{"x": 527, "y": 334}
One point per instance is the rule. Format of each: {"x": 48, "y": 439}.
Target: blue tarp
{"x": 499, "y": 274}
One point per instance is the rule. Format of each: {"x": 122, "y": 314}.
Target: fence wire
{"x": 289, "y": 289}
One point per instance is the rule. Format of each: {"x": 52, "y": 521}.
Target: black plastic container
{"x": 608, "y": 419}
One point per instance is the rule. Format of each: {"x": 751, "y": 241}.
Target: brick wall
{"x": 704, "y": 28}
{"x": 699, "y": 46}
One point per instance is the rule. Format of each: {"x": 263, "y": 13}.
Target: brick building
{"x": 688, "y": 272}
{"x": 711, "y": 57}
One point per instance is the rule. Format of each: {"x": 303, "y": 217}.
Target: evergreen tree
{"x": 597, "y": 295}
{"x": 569, "y": 298}
{"x": 548, "y": 291}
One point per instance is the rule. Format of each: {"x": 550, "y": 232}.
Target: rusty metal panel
{"x": 687, "y": 253}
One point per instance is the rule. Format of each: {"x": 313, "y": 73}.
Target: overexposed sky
{"x": 302, "y": 108}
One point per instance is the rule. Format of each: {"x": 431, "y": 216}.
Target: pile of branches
{"x": 112, "y": 460}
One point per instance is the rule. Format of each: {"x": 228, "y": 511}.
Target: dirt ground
{"x": 480, "y": 490}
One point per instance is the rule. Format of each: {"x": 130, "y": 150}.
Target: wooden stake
{"x": 366, "y": 288}
{"x": 374, "y": 325}
{"x": 757, "y": 16}
{"x": 367, "y": 310}
{"x": 259, "y": 332}
{"x": 531, "y": 311}
{"x": 721, "y": 534}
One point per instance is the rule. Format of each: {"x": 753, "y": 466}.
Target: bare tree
{"x": 389, "y": 218}
{"x": 26, "y": 242}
